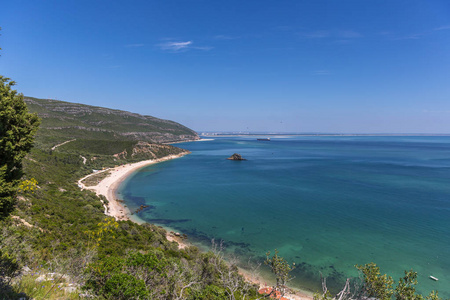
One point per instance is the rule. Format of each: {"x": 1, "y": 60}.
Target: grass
{"x": 95, "y": 179}
{"x": 75, "y": 120}
{"x": 49, "y": 289}
{"x": 98, "y": 147}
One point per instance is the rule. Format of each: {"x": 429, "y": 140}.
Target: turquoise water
{"x": 326, "y": 203}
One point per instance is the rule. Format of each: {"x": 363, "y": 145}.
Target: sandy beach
{"x": 108, "y": 186}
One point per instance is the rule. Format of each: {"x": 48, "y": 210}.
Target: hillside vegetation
{"x": 58, "y": 244}
{"x": 64, "y": 120}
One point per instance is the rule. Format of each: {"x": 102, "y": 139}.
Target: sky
{"x": 373, "y": 66}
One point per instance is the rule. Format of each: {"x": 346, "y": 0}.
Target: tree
{"x": 376, "y": 285}
{"x": 228, "y": 272}
{"x": 17, "y": 130}
{"x": 381, "y": 286}
{"x": 281, "y": 268}
{"x": 406, "y": 287}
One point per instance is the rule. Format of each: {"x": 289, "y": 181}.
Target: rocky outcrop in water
{"x": 236, "y": 156}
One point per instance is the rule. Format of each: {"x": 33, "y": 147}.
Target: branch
{"x": 345, "y": 291}
{"x": 185, "y": 287}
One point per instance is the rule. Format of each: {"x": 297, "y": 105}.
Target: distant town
{"x": 246, "y": 133}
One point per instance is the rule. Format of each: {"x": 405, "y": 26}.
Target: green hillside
{"x": 64, "y": 120}
{"x": 58, "y": 243}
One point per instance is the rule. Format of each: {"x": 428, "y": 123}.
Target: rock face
{"x": 236, "y": 157}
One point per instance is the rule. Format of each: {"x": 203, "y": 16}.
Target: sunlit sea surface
{"x": 326, "y": 203}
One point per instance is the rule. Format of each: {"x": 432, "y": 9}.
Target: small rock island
{"x": 236, "y": 156}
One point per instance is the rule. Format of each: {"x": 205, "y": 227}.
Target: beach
{"x": 114, "y": 208}
{"x": 108, "y": 185}
{"x": 313, "y": 199}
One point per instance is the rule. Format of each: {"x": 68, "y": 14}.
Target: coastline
{"x": 179, "y": 142}
{"x": 108, "y": 187}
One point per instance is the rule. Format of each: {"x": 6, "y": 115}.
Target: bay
{"x": 325, "y": 202}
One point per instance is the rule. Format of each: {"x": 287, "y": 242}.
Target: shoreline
{"x": 108, "y": 187}
{"x": 188, "y": 141}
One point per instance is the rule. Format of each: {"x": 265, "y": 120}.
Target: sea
{"x": 326, "y": 203}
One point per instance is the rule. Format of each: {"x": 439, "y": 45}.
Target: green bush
{"x": 124, "y": 286}
{"x": 210, "y": 292}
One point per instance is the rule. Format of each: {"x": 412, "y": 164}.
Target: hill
{"x": 102, "y": 137}
{"x": 64, "y": 120}
{"x": 58, "y": 243}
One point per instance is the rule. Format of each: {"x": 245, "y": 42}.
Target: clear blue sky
{"x": 293, "y": 66}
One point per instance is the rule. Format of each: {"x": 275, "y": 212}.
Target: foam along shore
{"x": 108, "y": 186}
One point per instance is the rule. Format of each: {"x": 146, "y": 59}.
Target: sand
{"x": 108, "y": 186}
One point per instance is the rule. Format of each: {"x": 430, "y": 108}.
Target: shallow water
{"x": 326, "y": 203}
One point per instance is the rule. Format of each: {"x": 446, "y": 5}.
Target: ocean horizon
{"x": 326, "y": 203}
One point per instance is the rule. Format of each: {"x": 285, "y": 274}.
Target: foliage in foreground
{"x": 61, "y": 230}
{"x": 56, "y": 228}
{"x": 29, "y": 287}
{"x": 280, "y": 268}
{"x": 156, "y": 274}
{"x": 377, "y": 286}
{"x": 17, "y": 129}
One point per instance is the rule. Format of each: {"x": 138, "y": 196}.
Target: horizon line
{"x": 212, "y": 133}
